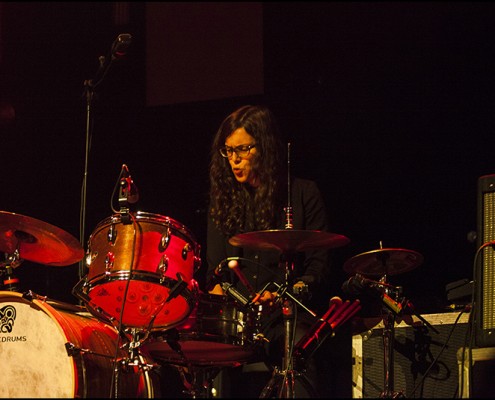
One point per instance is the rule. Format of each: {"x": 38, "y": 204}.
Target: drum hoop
{"x": 208, "y": 337}
{"x": 123, "y": 275}
{"x": 150, "y": 217}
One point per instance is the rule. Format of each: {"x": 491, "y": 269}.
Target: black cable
{"x": 439, "y": 354}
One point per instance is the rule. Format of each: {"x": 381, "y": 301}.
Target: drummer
{"x": 249, "y": 191}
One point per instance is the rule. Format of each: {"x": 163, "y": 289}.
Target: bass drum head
{"x": 37, "y": 360}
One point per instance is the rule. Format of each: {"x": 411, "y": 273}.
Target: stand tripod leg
{"x": 388, "y": 358}
{"x": 283, "y": 383}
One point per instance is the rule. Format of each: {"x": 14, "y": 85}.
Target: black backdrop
{"x": 389, "y": 107}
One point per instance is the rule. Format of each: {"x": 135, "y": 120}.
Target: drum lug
{"x": 186, "y": 249}
{"x": 197, "y": 263}
{"x": 164, "y": 241}
{"x": 111, "y": 234}
{"x": 109, "y": 261}
{"x": 90, "y": 257}
{"x": 162, "y": 267}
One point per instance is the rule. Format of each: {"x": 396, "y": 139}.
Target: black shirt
{"x": 261, "y": 267}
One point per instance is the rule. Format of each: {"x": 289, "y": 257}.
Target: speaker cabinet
{"x": 485, "y": 266}
{"x": 416, "y": 347}
{"x": 476, "y": 381}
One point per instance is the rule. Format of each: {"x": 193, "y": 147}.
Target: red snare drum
{"x": 35, "y": 341}
{"x": 152, "y": 259}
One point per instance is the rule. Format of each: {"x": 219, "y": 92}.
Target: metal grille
{"x": 488, "y": 278}
{"x": 415, "y": 347}
{"x": 485, "y": 264}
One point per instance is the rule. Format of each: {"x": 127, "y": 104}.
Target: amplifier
{"x": 476, "y": 381}
{"x": 416, "y": 348}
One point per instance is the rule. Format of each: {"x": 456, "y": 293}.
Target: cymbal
{"x": 383, "y": 262}
{"x": 38, "y": 241}
{"x": 288, "y": 240}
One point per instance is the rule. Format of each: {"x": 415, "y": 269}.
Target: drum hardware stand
{"x": 72, "y": 351}
{"x": 285, "y": 379}
{"x": 171, "y": 336}
{"x": 393, "y": 309}
{"x": 30, "y": 295}
{"x": 198, "y": 380}
{"x": 8, "y": 280}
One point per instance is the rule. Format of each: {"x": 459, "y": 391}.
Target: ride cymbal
{"x": 383, "y": 262}
{"x": 38, "y": 241}
{"x": 288, "y": 240}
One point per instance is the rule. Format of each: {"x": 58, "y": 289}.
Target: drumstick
{"x": 234, "y": 266}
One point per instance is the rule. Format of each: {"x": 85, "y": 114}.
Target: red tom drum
{"x": 149, "y": 261}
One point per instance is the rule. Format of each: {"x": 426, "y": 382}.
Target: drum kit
{"x": 141, "y": 304}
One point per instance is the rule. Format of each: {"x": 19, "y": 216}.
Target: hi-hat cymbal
{"x": 383, "y": 262}
{"x": 288, "y": 240}
{"x": 38, "y": 241}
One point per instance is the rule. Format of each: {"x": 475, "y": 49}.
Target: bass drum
{"x": 217, "y": 333}
{"x": 51, "y": 349}
{"x": 141, "y": 271}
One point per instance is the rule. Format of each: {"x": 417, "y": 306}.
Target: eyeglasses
{"x": 241, "y": 151}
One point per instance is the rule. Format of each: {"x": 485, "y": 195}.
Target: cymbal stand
{"x": 394, "y": 305}
{"x": 388, "y": 337}
{"x": 198, "y": 380}
{"x": 284, "y": 379}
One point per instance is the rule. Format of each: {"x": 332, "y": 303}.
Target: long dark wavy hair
{"x": 236, "y": 207}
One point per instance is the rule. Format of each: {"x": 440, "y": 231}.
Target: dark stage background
{"x": 389, "y": 106}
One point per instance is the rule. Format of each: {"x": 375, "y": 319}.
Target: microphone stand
{"x": 89, "y": 92}
{"x": 117, "y": 51}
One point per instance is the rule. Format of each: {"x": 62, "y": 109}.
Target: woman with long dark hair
{"x": 250, "y": 191}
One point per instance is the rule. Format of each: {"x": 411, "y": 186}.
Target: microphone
{"x": 132, "y": 191}
{"x": 358, "y": 284}
{"x": 128, "y": 189}
{"x": 235, "y": 294}
{"x": 120, "y": 46}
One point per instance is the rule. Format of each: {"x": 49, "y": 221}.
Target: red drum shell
{"x": 147, "y": 259}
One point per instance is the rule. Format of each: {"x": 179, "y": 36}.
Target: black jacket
{"x": 264, "y": 266}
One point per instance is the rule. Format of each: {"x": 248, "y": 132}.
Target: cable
{"x": 121, "y": 316}
{"x": 472, "y": 320}
{"x": 439, "y": 354}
